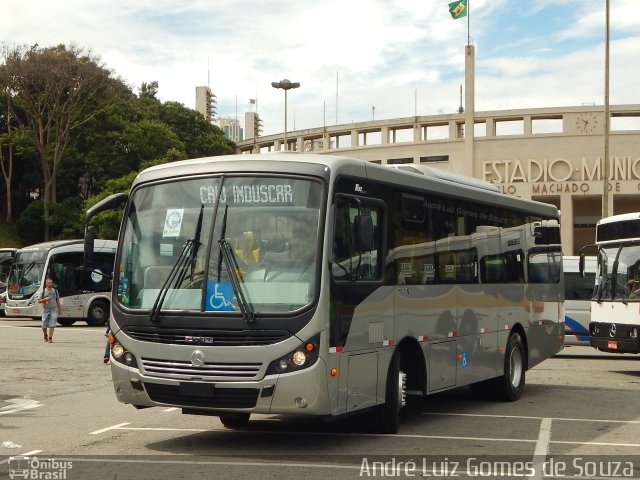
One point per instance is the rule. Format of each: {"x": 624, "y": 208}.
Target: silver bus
{"x": 315, "y": 285}
{"x": 84, "y": 292}
{"x": 615, "y": 314}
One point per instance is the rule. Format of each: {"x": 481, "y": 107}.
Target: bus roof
{"x": 443, "y": 182}
{"x": 623, "y": 217}
{"x": 46, "y": 246}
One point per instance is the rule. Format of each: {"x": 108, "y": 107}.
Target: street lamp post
{"x": 285, "y": 85}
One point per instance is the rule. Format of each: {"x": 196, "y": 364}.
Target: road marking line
{"x": 19, "y": 404}
{"x": 542, "y": 442}
{"x": 341, "y": 434}
{"x": 542, "y": 448}
{"x": 604, "y": 444}
{"x": 544, "y": 437}
{"x": 528, "y": 417}
{"x": 113, "y": 427}
{"x": 163, "y": 429}
{"x": 32, "y": 452}
{"x": 170, "y": 409}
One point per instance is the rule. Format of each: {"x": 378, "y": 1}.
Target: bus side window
{"x": 545, "y": 267}
{"x": 514, "y": 267}
{"x": 348, "y": 263}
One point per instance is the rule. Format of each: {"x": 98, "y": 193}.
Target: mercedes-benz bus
{"x": 316, "y": 285}
{"x": 615, "y": 305}
{"x": 84, "y": 290}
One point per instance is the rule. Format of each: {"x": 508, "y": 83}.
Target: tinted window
{"x": 577, "y": 287}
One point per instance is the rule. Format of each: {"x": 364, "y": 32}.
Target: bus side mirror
{"x": 581, "y": 265}
{"x": 363, "y": 229}
{"x": 89, "y": 237}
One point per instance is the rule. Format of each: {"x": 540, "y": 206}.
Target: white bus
{"x": 84, "y": 292}
{"x": 615, "y": 314}
{"x": 6, "y": 260}
{"x": 578, "y": 290}
{"x": 316, "y": 285}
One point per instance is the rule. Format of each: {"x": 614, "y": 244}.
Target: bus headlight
{"x": 299, "y": 358}
{"x": 633, "y": 333}
{"x": 120, "y": 354}
{"x": 117, "y": 351}
{"x": 302, "y": 357}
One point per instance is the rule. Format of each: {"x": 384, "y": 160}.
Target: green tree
{"x": 107, "y": 224}
{"x": 56, "y": 90}
{"x": 149, "y": 90}
{"x": 201, "y": 139}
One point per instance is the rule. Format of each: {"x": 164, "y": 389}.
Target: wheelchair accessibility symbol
{"x": 219, "y": 296}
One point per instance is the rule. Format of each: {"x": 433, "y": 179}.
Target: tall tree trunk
{"x": 7, "y": 173}
{"x": 48, "y": 193}
{"x": 7, "y": 170}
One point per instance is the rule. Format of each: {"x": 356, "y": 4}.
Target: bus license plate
{"x": 612, "y": 344}
{"x": 197, "y": 389}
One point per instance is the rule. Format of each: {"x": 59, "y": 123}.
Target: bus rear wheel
{"x": 235, "y": 420}
{"x": 510, "y": 385}
{"x": 395, "y": 398}
{"x": 98, "y": 313}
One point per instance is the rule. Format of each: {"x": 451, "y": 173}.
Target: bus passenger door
{"x": 477, "y": 302}
{"x": 545, "y": 294}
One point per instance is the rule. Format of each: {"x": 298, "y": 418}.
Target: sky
{"x": 356, "y": 60}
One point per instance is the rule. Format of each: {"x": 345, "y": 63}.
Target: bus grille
{"x": 184, "y": 370}
{"x": 221, "y": 338}
{"x": 222, "y": 398}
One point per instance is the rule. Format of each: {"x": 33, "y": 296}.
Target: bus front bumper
{"x": 615, "y": 337}
{"x": 303, "y": 392}
{"x": 16, "y": 308}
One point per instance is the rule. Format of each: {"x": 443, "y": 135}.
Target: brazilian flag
{"x": 458, "y": 9}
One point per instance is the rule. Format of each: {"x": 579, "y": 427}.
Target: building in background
{"x": 231, "y": 128}
{"x": 206, "y": 103}
{"x": 252, "y": 126}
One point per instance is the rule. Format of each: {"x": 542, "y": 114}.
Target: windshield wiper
{"x": 26, "y": 270}
{"x": 177, "y": 274}
{"x": 233, "y": 268}
{"x": 178, "y": 267}
{"x": 226, "y": 254}
{"x": 614, "y": 274}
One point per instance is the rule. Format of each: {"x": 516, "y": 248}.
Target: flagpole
{"x": 468, "y": 22}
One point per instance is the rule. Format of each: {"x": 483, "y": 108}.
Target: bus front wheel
{"x": 235, "y": 420}
{"x": 509, "y": 386}
{"x": 98, "y": 313}
{"x": 395, "y": 398}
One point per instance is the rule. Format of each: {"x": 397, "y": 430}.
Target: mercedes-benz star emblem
{"x": 612, "y": 330}
{"x": 197, "y": 358}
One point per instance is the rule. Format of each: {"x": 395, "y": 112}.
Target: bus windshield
{"x": 25, "y": 276}
{"x": 619, "y": 273}
{"x": 221, "y": 245}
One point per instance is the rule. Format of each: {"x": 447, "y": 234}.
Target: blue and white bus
{"x": 316, "y": 285}
{"x": 578, "y": 290}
